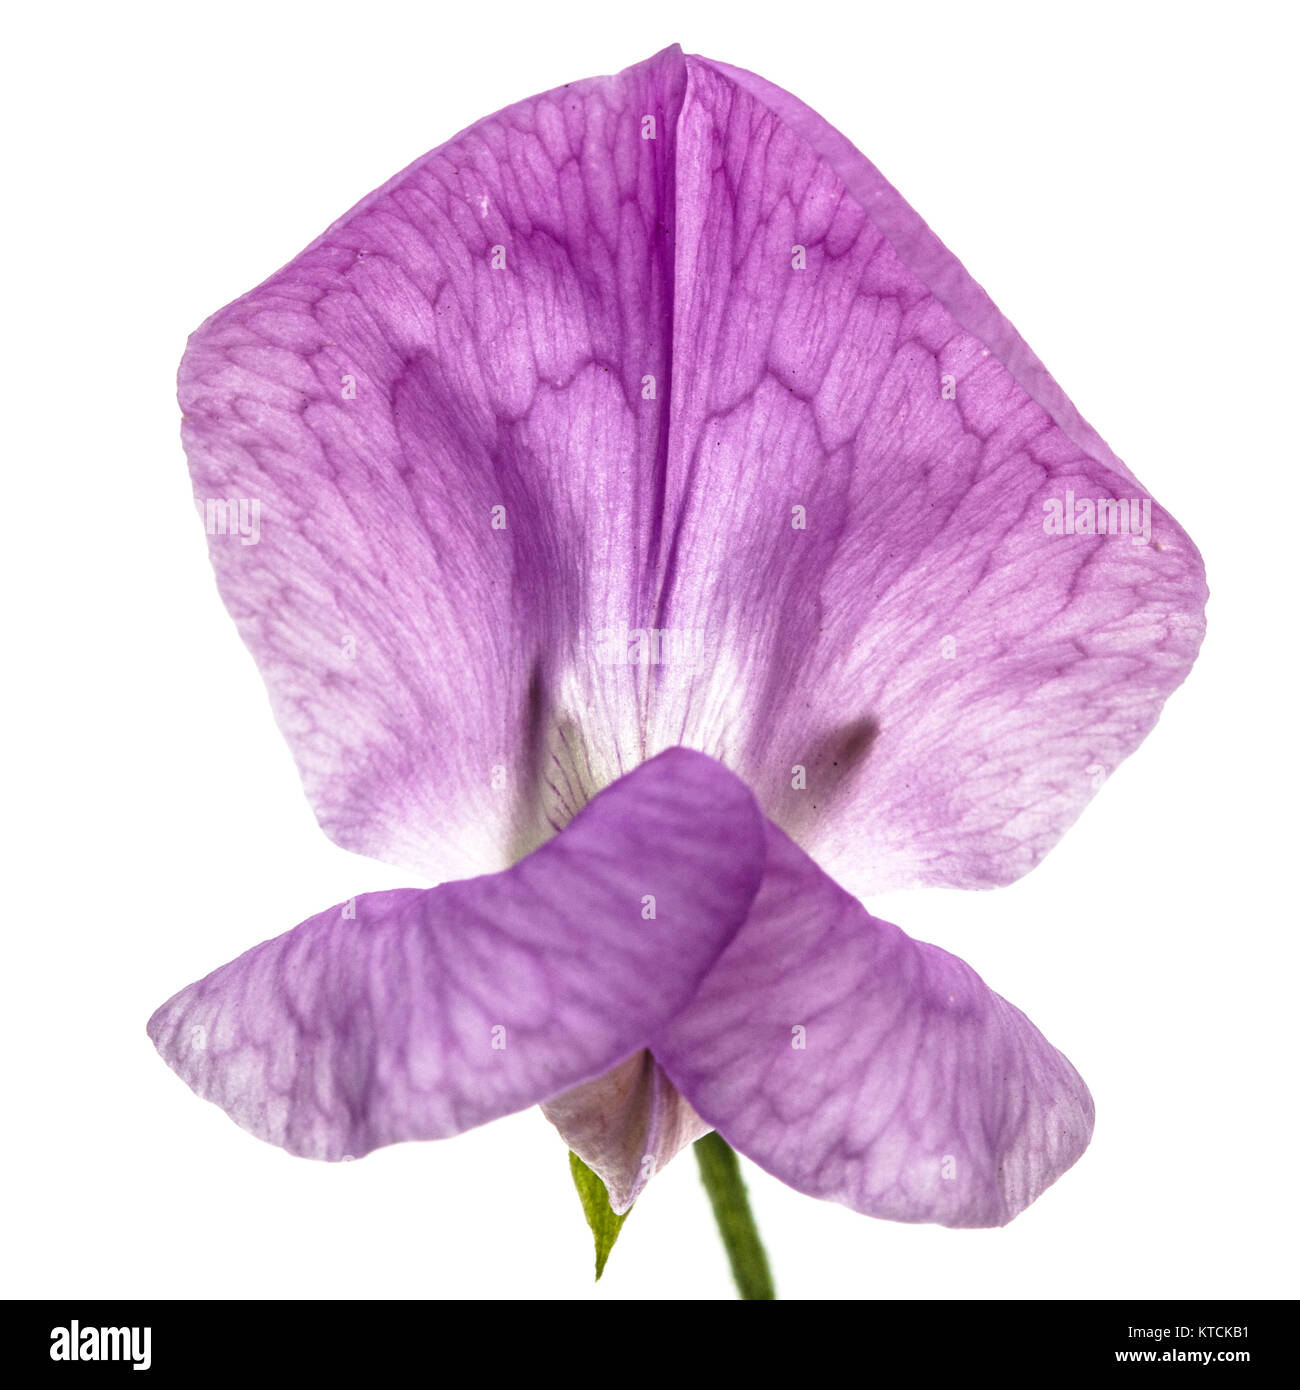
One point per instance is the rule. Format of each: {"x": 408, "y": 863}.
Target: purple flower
{"x": 645, "y": 417}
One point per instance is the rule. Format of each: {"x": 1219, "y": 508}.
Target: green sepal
{"x": 604, "y": 1222}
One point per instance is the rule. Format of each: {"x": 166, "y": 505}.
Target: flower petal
{"x": 626, "y": 1125}
{"x": 434, "y": 1011}
{"x": 439, "y": 411}
{"x": 953, "y": 682}
{"x": 720, "y": 393}
{"x": 858, "y": 1065}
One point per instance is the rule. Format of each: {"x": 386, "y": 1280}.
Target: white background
{"x": 1120, "y": 177}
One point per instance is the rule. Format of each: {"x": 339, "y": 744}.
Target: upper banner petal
{"x": 647, "y": 413}
{"x": 419, "y": 1014}
{"x": 864, "y": 1067}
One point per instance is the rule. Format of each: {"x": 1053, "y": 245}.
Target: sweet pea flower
{"x": 651, "y": 535}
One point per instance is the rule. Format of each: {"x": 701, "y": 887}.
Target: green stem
{"x": 720, "y": 1174}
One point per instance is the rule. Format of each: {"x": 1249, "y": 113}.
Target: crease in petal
{"x": 862, "y": 1067}
{"x": 431, "y": 1011}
